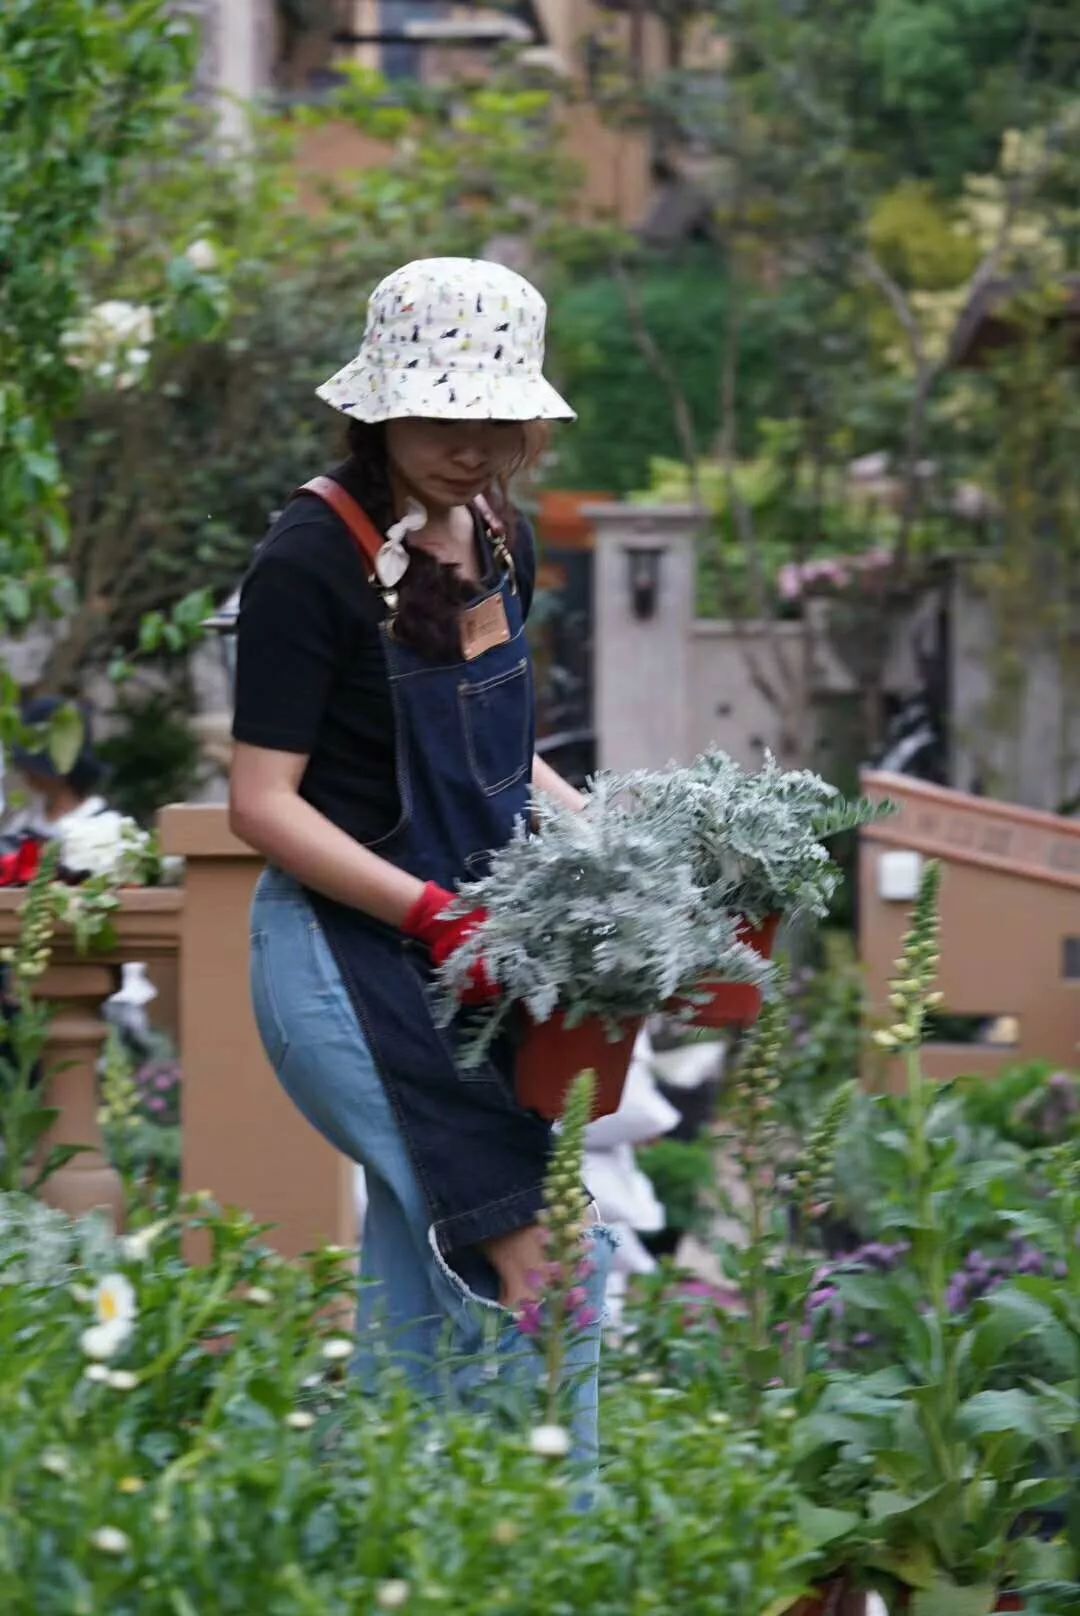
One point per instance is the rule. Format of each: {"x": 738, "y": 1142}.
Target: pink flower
{"x": 576, "y": 1298}
{"x": 585, "y": 1318}
{"x": 157, "y": 1104}
{"x": 789, "y": 582}
{"x": 164, "y": 1081}
{"x": 530, "y": 1318}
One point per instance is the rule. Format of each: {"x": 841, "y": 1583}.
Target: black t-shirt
{"x": 311, "y": 675}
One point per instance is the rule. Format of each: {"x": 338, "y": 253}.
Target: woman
{"x": 384, "y": 747}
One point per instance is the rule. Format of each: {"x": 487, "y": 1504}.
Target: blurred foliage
{"x": 681, "y": 1171}
{"x": 256, "y": 277}
{"x": 82, "y": 87}
{"x": 152, "y": 756}
{"x": 602, "y": 369}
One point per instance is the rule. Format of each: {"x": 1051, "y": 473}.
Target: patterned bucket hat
{"x": 450, "y": 339}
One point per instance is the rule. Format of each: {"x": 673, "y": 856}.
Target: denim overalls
{"x": 464, "y": 734}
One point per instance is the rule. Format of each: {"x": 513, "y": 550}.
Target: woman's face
{"x": 448, "y": 463}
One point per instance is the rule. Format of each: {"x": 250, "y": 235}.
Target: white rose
{"x": 202, "y": 255}
{"x": 104, "y": 844}
{"x": 112, "y": 341}
{"x": 128, "y": 324}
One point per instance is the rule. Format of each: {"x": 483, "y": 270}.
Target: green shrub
{"x": 172, "y": 1478}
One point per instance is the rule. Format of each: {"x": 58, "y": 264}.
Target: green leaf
{"x": 947, "y": 1599}
{"x": 65, "y": 738}
{"x": 33, "y": 1125}
{"x": 820, "y": 1525}
{"x": 16, "y": 600}
{"x": 885, "y": 1504}
{"x": 1011, "y": 1410}
{"x": 269, "y": 1395}
{"x": 58, "y": 1157}
{"x": 1014, "y": 1313}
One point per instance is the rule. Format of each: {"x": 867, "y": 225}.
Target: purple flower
{"x": 156, "y": 1103}
{"x": 821, "y": 1298}
{"x": 585, "y": 1318}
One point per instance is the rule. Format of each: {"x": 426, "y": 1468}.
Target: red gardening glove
{"x": 429, "y": 923}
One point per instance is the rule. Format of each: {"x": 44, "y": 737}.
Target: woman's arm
{"x": 545, "y": 779}
{"x": 267, "y": 812}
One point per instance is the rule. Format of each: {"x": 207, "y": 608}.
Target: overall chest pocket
{"x": 496, "y": 720}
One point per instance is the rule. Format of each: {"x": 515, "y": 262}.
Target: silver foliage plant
{"x": 598, "y": 914}
{"x": 756, "y": 841}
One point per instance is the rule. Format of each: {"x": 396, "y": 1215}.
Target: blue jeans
{"x": 414, "y": 1313}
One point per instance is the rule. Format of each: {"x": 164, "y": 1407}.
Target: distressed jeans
{"x": 414, "y": 1312}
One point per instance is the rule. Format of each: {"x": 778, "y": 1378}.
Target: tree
{"x": 82, "y": 86}
{"x": 821, "y": 135}
{"x": 251, "y": 291}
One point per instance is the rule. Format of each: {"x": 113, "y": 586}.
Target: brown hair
{"x": 431, "y": 593}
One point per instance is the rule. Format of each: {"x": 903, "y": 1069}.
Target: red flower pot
{"x": 553, "y": 1054}
{"x": 736, "y": 1004}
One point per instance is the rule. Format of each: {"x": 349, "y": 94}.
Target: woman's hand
{"x": 444, "y": 934}
{"x": 552, "y": 784}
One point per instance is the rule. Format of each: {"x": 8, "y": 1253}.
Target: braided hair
{"x": 431, "y": 593}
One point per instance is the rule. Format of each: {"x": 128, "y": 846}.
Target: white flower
{"x": 337, "y": 1348}
{"x": 202, "y": 255}
{"x": 55, "y": 1462}
{"x": 392, "y": 1595}
{"x": 104, "y": 1340}
{"x": 112, "y": 342}
{"x": 123, "y": 1380}
{"x": 104, "y": 844}
{"x": 128, "y": 322}
{"x": 96, "y": 1372}
{"x": 550, "y": 1441}
{"x": 136, "y": 1247}
{"x": 110, "y": 1540}
{"x": 114, "y": 1310}
{"x": 258, "y": 1296}
{"x": 301, "y": 1419}
{"x": 114, "y": 1300}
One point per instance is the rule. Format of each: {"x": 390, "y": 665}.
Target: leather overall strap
{"x": 370, "y": 541}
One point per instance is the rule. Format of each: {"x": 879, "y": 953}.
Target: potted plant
{"x": 591, "y": 925}
{"x": 756, "y": 847}
{"x": 948, "y": 1461}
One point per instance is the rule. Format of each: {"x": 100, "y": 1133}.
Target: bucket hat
{"x": 450, "y": 339}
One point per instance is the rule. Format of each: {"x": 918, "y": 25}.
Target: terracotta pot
{"x": 552, "y": 1055}
{"x": 737, "y": 1004}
